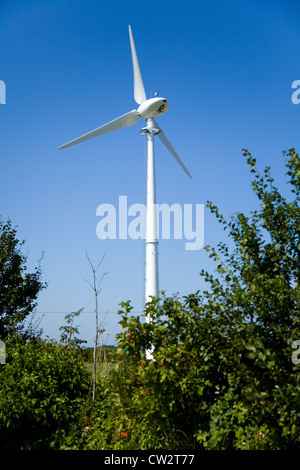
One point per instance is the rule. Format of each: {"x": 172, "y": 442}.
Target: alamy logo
{"x": 296, "y": 95}
{"x": 2, "y": 92}
{"x": 2, "y": 352}
{"x": 113, "y": 225}
{"x": 295, "y": 355}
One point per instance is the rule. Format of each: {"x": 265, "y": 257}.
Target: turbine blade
{"x": 167, "y": 143}
{"x": 139, "y": 91}
{"x": 126, "y": 120}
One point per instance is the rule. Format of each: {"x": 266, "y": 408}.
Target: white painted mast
{"x": 151, "y": 242}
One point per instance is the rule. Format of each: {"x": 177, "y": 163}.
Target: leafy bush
{"x": 42, "y": 388}
{"x": 222, "y": 375}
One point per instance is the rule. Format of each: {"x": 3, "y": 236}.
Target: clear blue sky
{"x": 226, "y": 68}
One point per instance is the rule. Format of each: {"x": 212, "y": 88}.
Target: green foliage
{"x": 18, "y": 289}
{"x": 222, "y": 375}
{"x": 42, "y": 388}
{"x": 69, "y": 330}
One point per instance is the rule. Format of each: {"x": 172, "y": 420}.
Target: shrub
{"x": 42, "y": 388}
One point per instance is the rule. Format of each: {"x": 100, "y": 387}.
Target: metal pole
{"x": 151, "y": 243}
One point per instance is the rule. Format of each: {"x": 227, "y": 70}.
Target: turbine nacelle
{"x": 148, "y": 109}
{"x": 152, "y": 108}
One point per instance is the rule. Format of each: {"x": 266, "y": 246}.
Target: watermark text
{"x": 296, "y": 354}
{"x": 296, "y": 94}
{"x": 130, "y": 222}
{"x": 2, "y": 92}
{"x": 2, "y": 352}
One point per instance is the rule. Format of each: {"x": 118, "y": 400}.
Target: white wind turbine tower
{"x": 148, "y": 109}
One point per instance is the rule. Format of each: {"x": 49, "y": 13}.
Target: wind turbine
{"x": 148, "y": 109}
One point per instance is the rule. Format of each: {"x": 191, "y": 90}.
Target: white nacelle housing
{"x": 153, "y": 107}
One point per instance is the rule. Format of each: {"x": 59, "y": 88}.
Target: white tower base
{"x": 151, "y": 243}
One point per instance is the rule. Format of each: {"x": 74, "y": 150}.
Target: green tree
{"x": 43, "y": 386}
{"x": 18, "y": 289}
{"x": 223, "y": 375}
